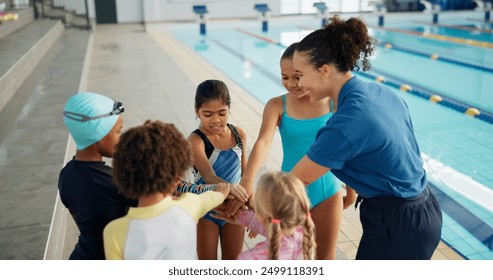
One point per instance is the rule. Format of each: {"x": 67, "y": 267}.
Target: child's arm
{"x": 261, "y": 148}
{"x": 114, "y": 236}
{"x": 243, "y": 137}
{"x": 236, "y": 190}
{"x": 184, "y": 187}
{"x": 241, "y": 195}
{"x": 201, "y": 161}
{"x": 223, "y": 188}
{"x": 245, "y": 218}
{"x": 199, "y": 205}
{"x": 205, "y": 169}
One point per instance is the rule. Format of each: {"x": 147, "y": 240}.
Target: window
{"x": 335, "y": 6}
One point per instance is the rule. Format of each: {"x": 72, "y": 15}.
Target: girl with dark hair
{"x": 369, "y": 144}
{"x": 219, "y": 156}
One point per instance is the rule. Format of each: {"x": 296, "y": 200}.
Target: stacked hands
{"x": 237, "y": 198}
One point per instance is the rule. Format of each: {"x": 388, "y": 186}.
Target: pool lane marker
{"x": 473, "y": 29}
{"x": 389, "y": 45}
{"x": 438, "y": 37}
{"x": 435, "y": 98}
{"x": 432, "y": 97}
{"x": 434, "y": 56}
{"x": 472, "y": 112}
{"x": 263, "y": 38}
{"x": 460, "y": 40}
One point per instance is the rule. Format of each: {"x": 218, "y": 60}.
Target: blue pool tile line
{"x": 475, "y": 227}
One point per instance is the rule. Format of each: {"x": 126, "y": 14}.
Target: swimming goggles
{"x": 117, "y": 109}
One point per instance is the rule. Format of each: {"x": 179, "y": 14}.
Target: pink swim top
{"x": 291, "y": 246}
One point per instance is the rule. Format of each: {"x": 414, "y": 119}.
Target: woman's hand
{"x": 349, "y": 198}
{"x": 233, "y": 205}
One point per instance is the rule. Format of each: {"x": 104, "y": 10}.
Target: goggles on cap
{"x": 117, "y": 109}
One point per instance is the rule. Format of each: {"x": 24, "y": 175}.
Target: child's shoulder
{"x": 195, "y": 132}
{"x": 194, "y": 202}
{"x": 275, "y": 104}
{"x": 196, "y": 136}
{"x": 117, "y": 225}
{"x": 187, "y": 196}
{"x": 235, "y": 127}
{"x": 276, "y": 101}
{"x": 240, "y": 132}
{"x": 86, "y": 169}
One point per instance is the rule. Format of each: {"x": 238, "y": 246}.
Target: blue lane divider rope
{"x": 433, "y": 97}
{"x": 391, "y": 46}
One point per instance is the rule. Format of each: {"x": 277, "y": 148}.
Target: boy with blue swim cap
{"x": 86, "y": 183}
{"x": 90, "y": 117}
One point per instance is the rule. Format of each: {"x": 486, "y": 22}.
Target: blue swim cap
{"x": 89, "y": 117}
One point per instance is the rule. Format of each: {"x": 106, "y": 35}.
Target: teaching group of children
{"x": 141, "y": 208}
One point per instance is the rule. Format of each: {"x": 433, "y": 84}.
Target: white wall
{"x": 129, "y": 10}
{"x": 92, "y": 8}
{"x": 177, "y": 10}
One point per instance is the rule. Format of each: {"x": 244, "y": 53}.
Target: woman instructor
{"x": 369, "y": 144}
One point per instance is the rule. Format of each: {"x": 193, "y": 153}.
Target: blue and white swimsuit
{"x": 226, "y": 163}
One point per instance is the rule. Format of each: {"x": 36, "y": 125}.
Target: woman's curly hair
{"x": 343, "y": 43}
{"x": 150, "y": 158}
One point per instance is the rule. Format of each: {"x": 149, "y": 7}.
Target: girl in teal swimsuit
{"x": 299, "y": 118}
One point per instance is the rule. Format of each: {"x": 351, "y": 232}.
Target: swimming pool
{"x": 457, "y": 149}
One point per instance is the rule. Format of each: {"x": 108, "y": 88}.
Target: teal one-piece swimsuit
{"x": 297, "y": 137}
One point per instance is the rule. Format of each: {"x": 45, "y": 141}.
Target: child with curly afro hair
{"x": 148, "y": 163}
